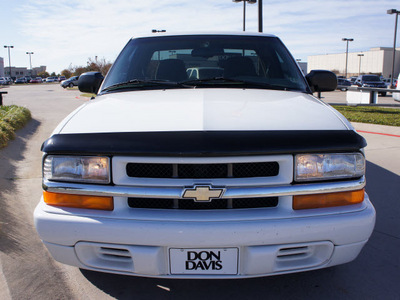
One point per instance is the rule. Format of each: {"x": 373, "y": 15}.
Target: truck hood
{"x": 202, "y": 110}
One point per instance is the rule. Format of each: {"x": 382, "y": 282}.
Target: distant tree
{"x": 79, "y": 70}
{"x": 93, "y": 65}
{"x": 43, "y": 74}
{"x": 67, "y": 73}
{"x": 53, "y": 74}
{"x": 100, "y": 65}
{"x": 106, "y": 68}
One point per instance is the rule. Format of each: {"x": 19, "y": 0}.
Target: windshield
{"x": 205, "y": 61}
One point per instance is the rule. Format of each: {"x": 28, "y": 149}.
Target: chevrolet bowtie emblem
{"x": 202, "y": 193}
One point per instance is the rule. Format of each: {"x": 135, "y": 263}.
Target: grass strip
{"x": 371, "y": 114}
{"x": 88, "y": 95}
{"x": 12, "y": 118}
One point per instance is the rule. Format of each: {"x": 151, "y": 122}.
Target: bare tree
{"x": 93, "y": 64}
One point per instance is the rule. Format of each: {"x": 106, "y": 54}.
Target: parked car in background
{"x": 61, "y": 78}
{"x": 386, "y": 81}
{"x": 370, "y": 81}
{"x": 36, "y": 80}
{"x": 343, "y": 84}
{"x": 3, "y": 81}
{"x": 51, "y": 79}
{"x": 396, "y": 96}
{"x": 9, "y": 80}
{"x": 70, "y": 82}
{"x": 395, "y": 82}
{"x": 21, "y": 80}
{"x": 352, "y": 79}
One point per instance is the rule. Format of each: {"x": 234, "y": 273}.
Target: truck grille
{"x": 192, "y": 205}
{"x": 198, "y": 171}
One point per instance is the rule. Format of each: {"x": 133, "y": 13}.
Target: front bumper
{"x": 269, "y": 246}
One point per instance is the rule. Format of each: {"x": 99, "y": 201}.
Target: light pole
{"x": 244, "y": 10}
{"x": 347, "y": 40}
{"x": 359, "y": 63}
{"x": 30, "y": 59}
{"x": 391, "y": 12}
{"x": 260, "y": 16}
{"x": 9, "y": 58}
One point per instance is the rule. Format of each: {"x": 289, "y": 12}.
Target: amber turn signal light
{"x": 328, "y": 200}
{"x": 78, "y": 201}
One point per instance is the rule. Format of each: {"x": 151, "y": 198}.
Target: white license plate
{"x": 204, "y": 261}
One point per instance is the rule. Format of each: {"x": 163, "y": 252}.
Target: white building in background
{"x": 17, "y": 72}
{"x": 1, "y": 67}
{"x": 375, "y": 61}
{"x": 303, "y": 66}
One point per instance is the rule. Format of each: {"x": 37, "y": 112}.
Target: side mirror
{"x": 321, "y": 81}
{"x": 90, "y": 82}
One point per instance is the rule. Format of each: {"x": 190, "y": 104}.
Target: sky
{"x": 64, "y": 34}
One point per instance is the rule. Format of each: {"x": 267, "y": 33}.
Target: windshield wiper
{"x": 140, "y": 83}
{"x": 232, "y": 81}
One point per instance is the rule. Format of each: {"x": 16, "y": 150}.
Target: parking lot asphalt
{"x": 28, "y": 272}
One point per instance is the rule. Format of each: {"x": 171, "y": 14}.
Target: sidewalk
{"x": 377, "y": 129}
{"x": 383, "y": 150}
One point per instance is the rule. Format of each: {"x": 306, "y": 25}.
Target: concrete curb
{"x": 379, "y": 129}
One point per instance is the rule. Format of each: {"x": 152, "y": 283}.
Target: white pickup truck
{"x": 238, "y": 175}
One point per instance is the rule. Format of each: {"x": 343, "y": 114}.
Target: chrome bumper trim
{"x": 177, "y": 192}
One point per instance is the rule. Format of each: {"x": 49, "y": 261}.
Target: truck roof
{"x": 238, "y": 33}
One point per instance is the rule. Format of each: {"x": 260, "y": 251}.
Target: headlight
{"x": 90, "y": 169}
{"x": 311, "y": 167}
